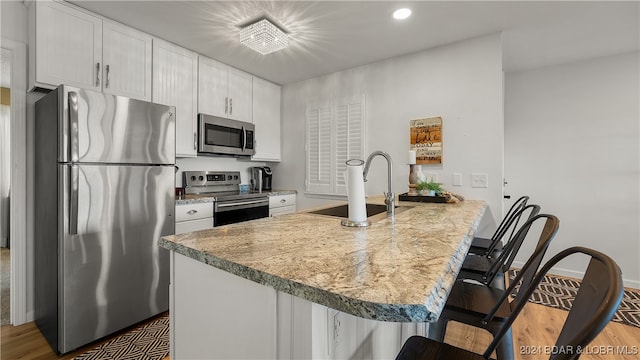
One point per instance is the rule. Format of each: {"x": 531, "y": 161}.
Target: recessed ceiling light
{"x": 401, "y": 14}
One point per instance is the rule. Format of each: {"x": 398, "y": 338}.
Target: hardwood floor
{"x": 26, "y": 342}
{"x": 537, "y": 326}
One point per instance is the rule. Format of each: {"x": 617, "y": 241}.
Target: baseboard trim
{"x": 629, "y": 283}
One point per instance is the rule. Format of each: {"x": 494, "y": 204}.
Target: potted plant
{"x": 433, "y": 188}
{"x": 421, "y": 186}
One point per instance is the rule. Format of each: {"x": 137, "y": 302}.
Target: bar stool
{"x": 487, "y": 268}
{"x": 598, "y": 298}
{"x": 482, "y": 246}
{"x": 469, "y": 303}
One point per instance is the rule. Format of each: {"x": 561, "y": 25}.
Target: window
{"x": 335, "y": 134}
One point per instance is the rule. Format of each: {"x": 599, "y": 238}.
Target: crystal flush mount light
{"x": 263, "y": 36}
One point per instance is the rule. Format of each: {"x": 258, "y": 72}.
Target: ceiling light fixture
{"x": 263, "y": 36}
{"x": 402, "y": 14}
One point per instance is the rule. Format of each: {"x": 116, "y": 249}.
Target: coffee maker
{"x": 261, "y": 178}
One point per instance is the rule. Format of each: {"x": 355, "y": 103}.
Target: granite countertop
{"x": 204, "y": 198}
{"x": 395, "y": 270}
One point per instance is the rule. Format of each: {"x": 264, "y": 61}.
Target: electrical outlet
{"x": 479, "y": 180}
{"x": 430, "y": 177}
{"x": 457, "y": 179}
{"x": 337, "y": 327}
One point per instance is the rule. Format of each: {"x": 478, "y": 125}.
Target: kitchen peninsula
{"x": 302, "y": 286}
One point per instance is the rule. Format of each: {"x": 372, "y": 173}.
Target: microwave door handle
{"x": 244, "y": 138}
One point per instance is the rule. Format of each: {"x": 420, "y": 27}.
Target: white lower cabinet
{"x": 218, "y": 315}
{"x": 193, "y": 225}
{"x": 282, "y": 204}
{"x": 193, "y": 217}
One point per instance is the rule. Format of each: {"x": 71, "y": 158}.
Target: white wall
{"x": 14, "y": 20}
{"x": 572, "y": 144}
{"x": 461, "y": 82}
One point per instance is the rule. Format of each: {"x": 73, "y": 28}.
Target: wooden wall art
{"x": 426, "y": 140}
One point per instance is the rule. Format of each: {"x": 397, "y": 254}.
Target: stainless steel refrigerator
{"x": 104, "y": 194}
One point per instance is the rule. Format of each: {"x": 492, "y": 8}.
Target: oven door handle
{"x": 221, "y": 207}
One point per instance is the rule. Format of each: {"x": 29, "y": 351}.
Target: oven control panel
{"x": 210, "y": 178}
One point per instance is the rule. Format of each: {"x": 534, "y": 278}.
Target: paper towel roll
{"x": 355, "y": 190}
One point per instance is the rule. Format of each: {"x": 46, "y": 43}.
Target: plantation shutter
{"x": 319, "y": 169}
{"x": 335, "y": 134}
{"x": 349, "y": 138}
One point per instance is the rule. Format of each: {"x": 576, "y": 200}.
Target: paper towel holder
{"x": 348, "y": 222}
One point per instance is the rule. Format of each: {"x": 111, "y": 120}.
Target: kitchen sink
{"x": 342, "y": 211}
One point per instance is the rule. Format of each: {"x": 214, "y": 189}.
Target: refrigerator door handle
{"x": 73, "y": 201}
{"x": 73, "y": 126}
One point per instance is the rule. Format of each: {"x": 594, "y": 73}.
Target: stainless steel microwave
{"x": 218, "y": 135}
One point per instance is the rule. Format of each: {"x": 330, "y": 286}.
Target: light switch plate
{"x": 457, "y": 179}
{"x": 479, "y": 180}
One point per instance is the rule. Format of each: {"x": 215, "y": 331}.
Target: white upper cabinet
{"x": 266, "y": 117}
{"x": 65, "y": 47}
{"x": 126, "y": 54}
{"x": 223, "y": 91}
{"x": 70, "y": 46}
{"x": 212, "y": 87}
{"x": 175, "y": 82}
{"x": 239, "y": 85}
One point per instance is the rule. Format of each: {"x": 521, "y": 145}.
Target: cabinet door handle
{"x": 195, "y": 141}
{"x": 283, "y": 201}
{"x": 191, "y": 212}
{"x": 97, "y": 74}
{"x": 226, "y": 105}
{"x": 106, "y": 81}
{"x": 230, "y": 106}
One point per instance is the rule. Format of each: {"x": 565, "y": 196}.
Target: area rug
{"x": 148, "y": 342}
{"x": 558, "y": 292}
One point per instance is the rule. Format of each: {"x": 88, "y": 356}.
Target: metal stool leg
{"x": 438, "y": 329}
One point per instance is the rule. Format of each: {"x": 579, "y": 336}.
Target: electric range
{"x": 230, "y": 204}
